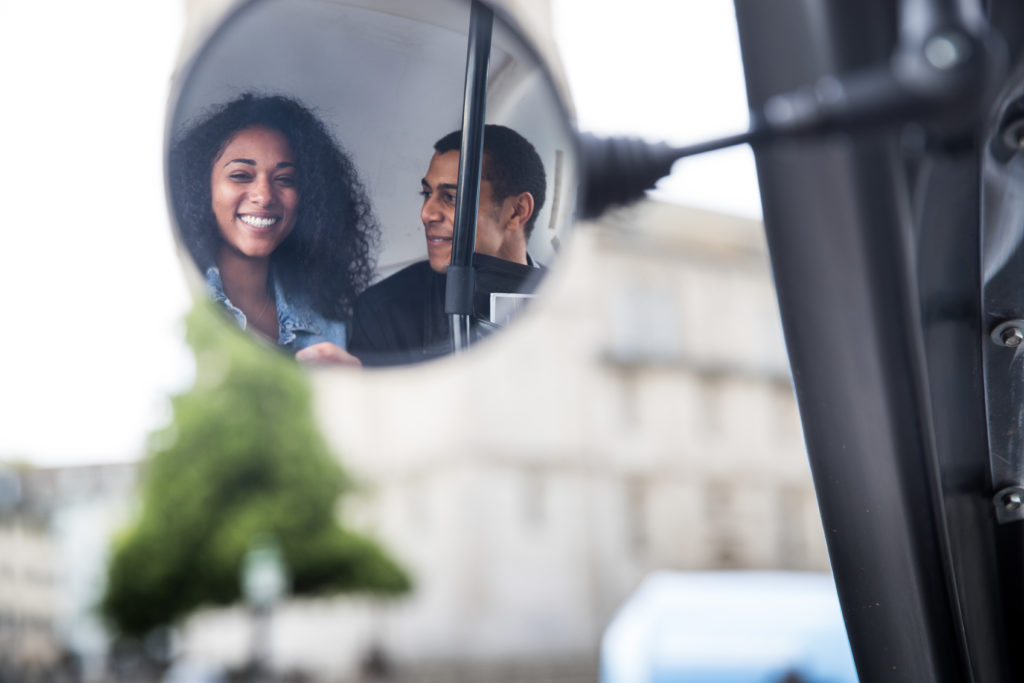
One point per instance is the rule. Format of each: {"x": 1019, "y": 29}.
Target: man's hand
{"x": 326, "y": 353}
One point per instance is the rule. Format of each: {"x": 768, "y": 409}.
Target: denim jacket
{"x": 299, "y": 325}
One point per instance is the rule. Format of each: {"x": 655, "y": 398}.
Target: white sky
{"x": 664, "y": 70}
{"x": 93, "y": 291}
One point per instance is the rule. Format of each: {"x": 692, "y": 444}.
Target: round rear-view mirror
{"x": 314, "y": 150}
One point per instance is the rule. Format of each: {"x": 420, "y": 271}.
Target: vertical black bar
{"x": 848, "y": 263}
{"x": 460, "y": 283}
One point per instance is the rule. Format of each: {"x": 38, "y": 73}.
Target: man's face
{"x": 438, "y": 214}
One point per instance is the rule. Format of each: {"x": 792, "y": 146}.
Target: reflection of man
{"x": 402, "y": 319}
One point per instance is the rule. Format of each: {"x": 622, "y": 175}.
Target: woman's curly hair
{"x": 330, "y": 255}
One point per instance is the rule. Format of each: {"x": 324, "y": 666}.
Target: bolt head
{"x": 1012, "y": 336}
{"x": 947, "y": 50}
{"x": 1013, "y": 500}
{"x": 1013, "y": 134}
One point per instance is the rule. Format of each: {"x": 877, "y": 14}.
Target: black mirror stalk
{"x": 939, "y": 72}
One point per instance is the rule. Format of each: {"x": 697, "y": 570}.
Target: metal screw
{"x": 1013, "y": 134}
{"x": 947, "y": 50}
{"x": 1012, "y": 337}
{"x": 1012, "y": 500}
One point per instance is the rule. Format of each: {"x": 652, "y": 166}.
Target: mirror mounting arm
{"x": 940, "y": 71}
{"x": 459, "y": 282}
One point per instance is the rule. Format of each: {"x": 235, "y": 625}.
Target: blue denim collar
{"x": 292, "y": 317}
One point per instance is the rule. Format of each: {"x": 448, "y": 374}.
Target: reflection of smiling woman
{"x": 273, "y": 213}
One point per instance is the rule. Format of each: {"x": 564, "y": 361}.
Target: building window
{"x": 636, "y": 514}
{"x": 533, "y": 497}
{"x": 792, "y": 542}
{"x": 722, "y": 525}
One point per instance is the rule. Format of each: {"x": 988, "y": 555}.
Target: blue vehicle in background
{"x": 729, "y": 627}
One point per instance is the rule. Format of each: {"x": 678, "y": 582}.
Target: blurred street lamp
{"x": 264, "y": 582}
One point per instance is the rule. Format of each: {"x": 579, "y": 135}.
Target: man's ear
{"x": 522, "y": 209}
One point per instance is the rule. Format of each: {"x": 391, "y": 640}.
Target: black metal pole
{"x": 460, "y": 281}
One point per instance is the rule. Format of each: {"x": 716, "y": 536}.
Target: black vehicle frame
{"x": 893, "y": 267}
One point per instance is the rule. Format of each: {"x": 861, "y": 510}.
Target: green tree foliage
{"x": 241, "y": 458}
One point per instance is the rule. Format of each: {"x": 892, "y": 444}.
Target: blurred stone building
{"x": 638, "y": 417}
{"x": 56, "y": 525}
{"x": 28, "y": 596}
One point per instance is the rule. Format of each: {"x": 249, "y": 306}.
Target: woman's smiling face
{"x": 255, "y": 191}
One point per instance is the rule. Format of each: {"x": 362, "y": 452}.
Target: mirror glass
{"x": 386, "y": 79}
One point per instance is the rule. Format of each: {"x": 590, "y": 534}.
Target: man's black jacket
{"x": 401, "y": 319}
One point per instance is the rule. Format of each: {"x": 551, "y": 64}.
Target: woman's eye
{"x": 449, "y": 198}
{"x": 287, "y": 181}
{"x": 240, "y": 177}
{"x": 424, "y": 194}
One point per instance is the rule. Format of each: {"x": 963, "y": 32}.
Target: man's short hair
{"x": 511, "y": 165}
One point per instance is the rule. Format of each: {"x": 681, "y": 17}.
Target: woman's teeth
{"x": 258, "y": 222}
